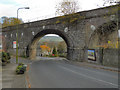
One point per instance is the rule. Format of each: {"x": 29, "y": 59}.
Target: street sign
{"x": 14, "y": 44}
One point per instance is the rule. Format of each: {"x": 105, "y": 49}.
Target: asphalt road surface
{"x": 57, "y": 73}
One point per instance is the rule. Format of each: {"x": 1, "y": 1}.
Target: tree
{"x": 110, "y": 2}
{"x": 54, "y": 51}
{"x": 67, "y": 7}
{"x": 62, "y": 47}
{"x": 10, "y": 21}
{"x": 5, "y": 21}
{"x": 45, "y": 48}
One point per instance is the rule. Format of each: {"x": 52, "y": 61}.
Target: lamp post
{"x": 17, "y": 33}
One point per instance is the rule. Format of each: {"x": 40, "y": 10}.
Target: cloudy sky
{"x": 39, "y": 8}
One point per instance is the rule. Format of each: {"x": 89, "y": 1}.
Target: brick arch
{"x": 31, "y": 48}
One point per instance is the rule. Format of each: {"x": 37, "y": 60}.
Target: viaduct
{"x": 81, "y": 31}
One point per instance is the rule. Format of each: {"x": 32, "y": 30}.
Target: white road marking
{"x": 93, "y": 71}
{"x": 88, "y": 76}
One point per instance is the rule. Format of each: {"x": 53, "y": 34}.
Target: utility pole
{"x": 17, "y": 33}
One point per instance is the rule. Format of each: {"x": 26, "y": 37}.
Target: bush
{"x": 21, "y": 68}
{"x": 56, "y": 55}
{"x": 62, "y": 55}
{"x": 6, "y": 57}
{"x": 20, "y": 64}
{"x": 52, "y": 55}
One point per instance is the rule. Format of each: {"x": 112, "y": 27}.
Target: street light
{"x": 17, "y": 33}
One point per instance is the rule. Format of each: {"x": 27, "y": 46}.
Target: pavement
{"x": 9, "y": 77}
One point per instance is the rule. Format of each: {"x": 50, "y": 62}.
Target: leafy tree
{"x": 62, "y": 47}
{"x": 10, "y": 21}
{"x": 67, "y": 7}
{"x": 54, "y": 51}
{"x": 5, "y": 21}
{"x": 45, "y": 48}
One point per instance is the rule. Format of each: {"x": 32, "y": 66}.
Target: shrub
{"x": 52, "y": 55}
{"x": 62, "y": 55}
{"x": 56, "y": 55}
{"x": 20, "y": 64}
{"x": 21, "y": 68}
{"x": 8, "y": 56}
{"x": 5, "y": 58}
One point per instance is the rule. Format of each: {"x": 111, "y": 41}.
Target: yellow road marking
{"x": 27, "y": 77}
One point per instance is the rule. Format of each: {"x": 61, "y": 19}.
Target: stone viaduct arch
{"x": 77, "y": 35}
{"x": 31, "y": 49}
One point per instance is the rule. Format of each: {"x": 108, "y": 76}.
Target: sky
{"x": 39, "y": 9}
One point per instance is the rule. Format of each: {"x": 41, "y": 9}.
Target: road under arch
{"x": 31, "y": 49}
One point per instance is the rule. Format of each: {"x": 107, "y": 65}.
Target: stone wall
{"x": 106, "y": 57}
{"x": 110, "y": 57}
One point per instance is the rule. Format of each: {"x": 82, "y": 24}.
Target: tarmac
{"x": 97, "y": 66}
{"x": 11, "y": 80}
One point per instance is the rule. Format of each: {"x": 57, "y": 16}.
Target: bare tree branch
{"x": 67, "y": 7}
